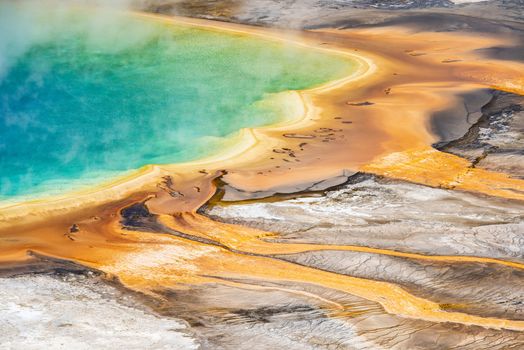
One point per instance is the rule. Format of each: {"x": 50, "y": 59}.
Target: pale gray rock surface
{"x": 391, "y": 214}
{"x": 75, "y": 313}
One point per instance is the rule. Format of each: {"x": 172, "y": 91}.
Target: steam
{"x": 27, "y": 23}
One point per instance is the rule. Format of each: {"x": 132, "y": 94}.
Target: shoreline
{"x": 255, "y": 143}
{"x": 135, "y": 180}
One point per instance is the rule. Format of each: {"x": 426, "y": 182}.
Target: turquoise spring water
{"x": 88, "y": 95}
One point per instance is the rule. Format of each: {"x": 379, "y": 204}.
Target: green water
{"x": 86, "y": 96}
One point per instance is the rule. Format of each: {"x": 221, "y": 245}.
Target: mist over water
{"x": 88, "y": 93}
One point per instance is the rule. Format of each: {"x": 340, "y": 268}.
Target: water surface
{"x": 86, "y": 95}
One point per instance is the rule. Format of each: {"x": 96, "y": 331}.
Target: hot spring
{"x": 87, "y": 95}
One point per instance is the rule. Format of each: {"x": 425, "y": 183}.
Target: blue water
{"x": 79, "y": 104}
